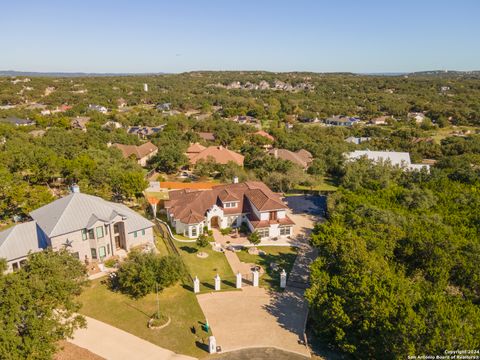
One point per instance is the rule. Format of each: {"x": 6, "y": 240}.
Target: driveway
{"x": 255, "y": 317}
{"x": 115, "y": 344}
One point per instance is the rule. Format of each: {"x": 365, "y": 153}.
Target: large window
{"x": 94, "y": 253}
{"x": 101, "y": 252}
{"x": 99, "y": 230}
{"x": 285, "y": 230}
{"x": 84, "y": 234}
{"x": 143, "y": 231}
{"x": 91, "y": 234}
{"x": 135, "y": 234}
{"x": 194, "y": 231}
{"x": 263, "y": 232}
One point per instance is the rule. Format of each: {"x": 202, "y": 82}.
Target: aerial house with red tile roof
{"x": 251, "y": 202}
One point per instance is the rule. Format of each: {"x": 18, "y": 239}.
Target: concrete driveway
{"x": 112, "y": 343}
{"x": 254, "y": 318}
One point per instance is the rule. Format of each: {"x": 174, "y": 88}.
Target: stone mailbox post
{"x": 255, "y": 277}
{"x": 212, "y": 345}
{"x": 196, "y": 285}
{"x": 217, "y": 282}
{"x": 283, "y": 279}
{"x": 239, "y": 280}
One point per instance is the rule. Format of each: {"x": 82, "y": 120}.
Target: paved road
{"x": 115, "y": 344}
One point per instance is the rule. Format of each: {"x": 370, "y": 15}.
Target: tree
{"x": 139, "y": 274}
{"x": 39, "y": 304}
{"x": 169, "y": 159}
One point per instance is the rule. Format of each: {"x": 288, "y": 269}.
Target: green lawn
{"x": 207, "y": 268}
{"x": 131, "y": 315}
{"x": 283, "y": 256}
{"x": 160, "y": 195}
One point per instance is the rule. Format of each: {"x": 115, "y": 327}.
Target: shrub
{"x": 202, "y": 241}
{"x": 138, "y": 275}
{"x": 254, "y": 238}
{"x": 110, "y": 263}
{"x": 226, "y": 231}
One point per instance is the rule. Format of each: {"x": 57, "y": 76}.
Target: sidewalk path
{"x": 115, "y": 344}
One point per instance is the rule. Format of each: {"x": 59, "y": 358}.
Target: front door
{"x": 118, "y": 244}
{"x": 214, "y": 222}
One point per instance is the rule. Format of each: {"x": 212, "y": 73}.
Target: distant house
{"x": 37, "y": 133}
{"x": 219, "y": 154}
{"x": 80, "y": 122}
{"x": 302, "y": 158}
{"x": 400, "y": 159}
{"x": 341, "y": 120}
{"x": 17, "y": 121}
{"x": 356, "y": 140}
{"x": 381, "y": 120}
{"x": 207, "y": 136}
{"x": 306, "y": 119}
{"x": 265, "y": 135}
{"x": 245, "y": 119}
{"x": 99, "y": 108}
{"x": 145, "y": 131}
{"x": 89, "y": 227}
{"x": 121, "y": 103}
{"x": 63, "y": 108}
{"x": 163, "y": 106}
{"x": 112, "y": 125}
{"x": 417, "y": 116}
{"x": 142, "y": 153}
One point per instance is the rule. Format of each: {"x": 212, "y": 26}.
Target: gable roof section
{"x": 195, "y": 148}
{"x": 19, "y": 240}
{"x": 139, "y": 151}
{"x": 80, "y": 211}
{"x": 302, "y": 157}
{"x": 220, "y": 154}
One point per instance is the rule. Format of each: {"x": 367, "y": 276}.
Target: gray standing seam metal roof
{"x": 79, "y": 211}
{"x": 19, "y": 240}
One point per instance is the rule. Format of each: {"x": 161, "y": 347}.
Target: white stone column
{"x": 239, "y": 280}
{"x": 283, "y": 279}
{"x": 217, "y": 282}
{"x": 255, "y": 277}
{"x": 196, "y": 285}
{"x": 212, "y": 345}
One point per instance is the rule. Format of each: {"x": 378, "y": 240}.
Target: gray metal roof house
{"x": 89, "y": 227}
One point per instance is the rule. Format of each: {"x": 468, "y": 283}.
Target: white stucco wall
{"x": 141, "y": 239}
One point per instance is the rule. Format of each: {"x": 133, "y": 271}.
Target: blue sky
{"x": 275, "y": 35}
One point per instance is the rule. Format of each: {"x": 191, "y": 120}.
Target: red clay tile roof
{"x": 195, "y": 148}
{"x": 139, "y": 151}
{"x": 219, "y": 154}
{"x": 183, "y": 203}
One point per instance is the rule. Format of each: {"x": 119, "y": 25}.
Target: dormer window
{"x": 230, "y": 205}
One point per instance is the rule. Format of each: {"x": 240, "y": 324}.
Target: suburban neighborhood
{"x": 237, "y": 180}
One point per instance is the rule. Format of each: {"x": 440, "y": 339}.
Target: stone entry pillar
{"x": 283, "y": 279}
{"x": 255, "y": 277}
{"x": 239, "y": 280}
{"x": 196, "y": 285}
{"x": 212, "y": 345}
{"x": 217, "y": 282}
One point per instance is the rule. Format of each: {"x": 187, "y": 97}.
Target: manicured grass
{"x": 283, "y": 256}
{"x": 159, "y": 243}
{"x": 160, "y": 195}
{"x": 207, "y": 268}
{"x": 131, "y": 315}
